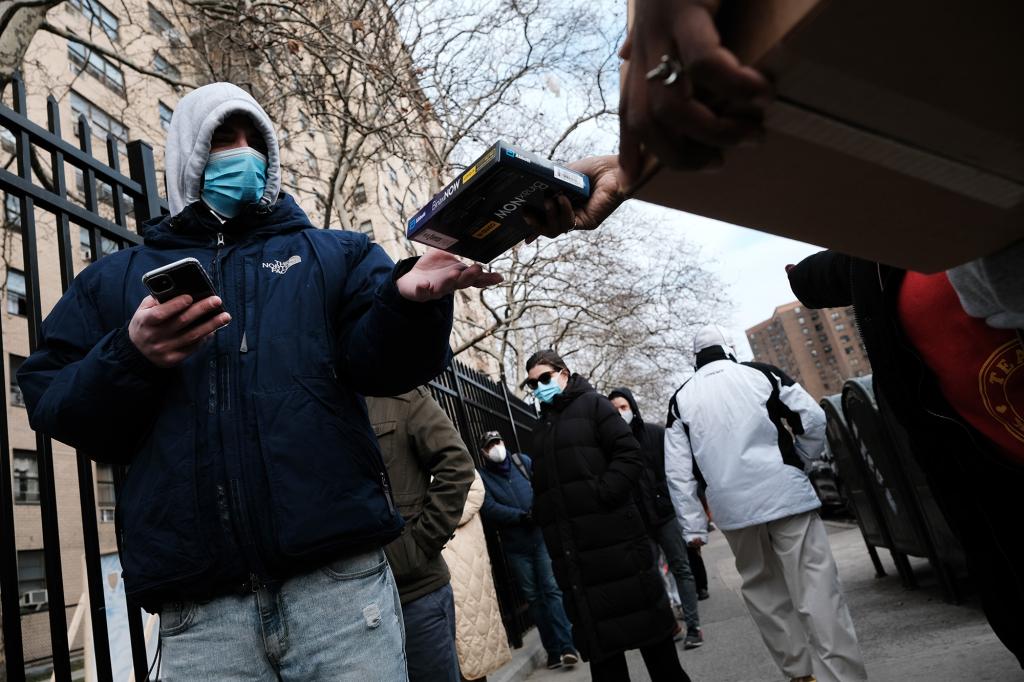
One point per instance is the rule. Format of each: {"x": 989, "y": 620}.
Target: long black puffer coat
{"x": 586, "y": 465}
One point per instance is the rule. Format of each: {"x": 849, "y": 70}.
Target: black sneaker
{"x": 702, "y": 595}
{"x": 694, "y": 638}
{"x": 554, "y": 661}
{"x": 570, "y": 658}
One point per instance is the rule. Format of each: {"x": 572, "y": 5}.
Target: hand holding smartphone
{"x": 170, "y": 329}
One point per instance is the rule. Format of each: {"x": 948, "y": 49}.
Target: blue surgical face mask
{"x": 547, "y": 392}
{"x": 233, "y": 179}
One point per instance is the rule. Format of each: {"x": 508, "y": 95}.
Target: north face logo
{"x": 279, "y": 267}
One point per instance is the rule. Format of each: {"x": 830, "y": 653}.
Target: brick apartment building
{"x": 818, "y": 348}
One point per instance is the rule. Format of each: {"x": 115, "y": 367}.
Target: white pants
{"x": 791, "y": 587}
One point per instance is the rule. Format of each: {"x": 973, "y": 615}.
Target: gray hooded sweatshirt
{"x": 188, "y": 141}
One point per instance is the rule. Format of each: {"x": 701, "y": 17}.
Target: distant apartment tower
{"x": 818, "y": 348}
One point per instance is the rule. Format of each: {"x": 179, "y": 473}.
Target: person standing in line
{"x": 507, "y": 507}
{"x": 431, "y": 472}
{"x": 586, "y": 466}
{"x": 257, "y": 504}
{"x": 480, "y": 636}
{"x": 734, "y": 422}
{"x": 657, "y": 511}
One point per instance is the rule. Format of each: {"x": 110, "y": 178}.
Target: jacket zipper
{"x": 214, "y": 373}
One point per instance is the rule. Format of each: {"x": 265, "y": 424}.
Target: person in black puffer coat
{"x": 655, "y": 502}
{"x": 586, "y": 466}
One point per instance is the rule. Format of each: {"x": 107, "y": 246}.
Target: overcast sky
{"x": 750, "y": 264}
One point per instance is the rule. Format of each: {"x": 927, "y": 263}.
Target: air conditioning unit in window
{"x": 86, "y": 253}
{"x": 34, "y": 598}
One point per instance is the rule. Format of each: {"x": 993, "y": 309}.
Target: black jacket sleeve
{"x": 80, "y": 375}
{"x": 386, "y": 344}
{"x": 625, "y": 464}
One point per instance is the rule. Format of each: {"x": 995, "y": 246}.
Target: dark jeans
{"x": 661, "y": 659}
{"x": 669, "y": 537}
{"x": 537, "y": 581}
{"x": 430, "y": 637}
{"x": 700, "y": 574}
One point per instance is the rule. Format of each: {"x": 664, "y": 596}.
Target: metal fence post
{"x": 142, "y": 169}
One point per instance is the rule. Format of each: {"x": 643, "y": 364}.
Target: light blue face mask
{"x": 233, "y": 179}
{"x": 547, "y": 392}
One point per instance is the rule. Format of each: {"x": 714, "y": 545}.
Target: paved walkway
{"x": 907, "y": 636}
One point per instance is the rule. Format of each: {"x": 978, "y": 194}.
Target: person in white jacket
{"x": 750, "y": 430}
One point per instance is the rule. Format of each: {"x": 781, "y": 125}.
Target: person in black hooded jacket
{"x": 659, "y": 515}
{"x": 586, "y": 466}
{"x": 919, "y": 339}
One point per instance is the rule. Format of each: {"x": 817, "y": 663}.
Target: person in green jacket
{"x": 431, "y": 472}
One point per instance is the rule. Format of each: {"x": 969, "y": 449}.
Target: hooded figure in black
{"x": 586, "y": 467}
{"x": 655, "y": 503}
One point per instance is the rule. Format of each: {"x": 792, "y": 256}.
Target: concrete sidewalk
{"x": 907, "y": 636}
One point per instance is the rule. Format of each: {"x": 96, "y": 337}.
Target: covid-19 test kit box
{"x": 480, "y": 214}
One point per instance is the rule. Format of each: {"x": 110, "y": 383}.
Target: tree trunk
{"x": 19, "y": 21}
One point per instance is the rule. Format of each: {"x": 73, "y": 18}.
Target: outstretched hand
{"x": 437, "y": 274}
{"x": 605, "y": 196}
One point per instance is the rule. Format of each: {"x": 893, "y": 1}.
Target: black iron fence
{"x": 474, "y": 402}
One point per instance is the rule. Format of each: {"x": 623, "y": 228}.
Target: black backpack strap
{"x": 521, "y": 465}
{"x": 777, "y": 412}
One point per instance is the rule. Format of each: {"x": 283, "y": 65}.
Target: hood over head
{"x": 623, "y": 392}
{"x": 188, "y": 141}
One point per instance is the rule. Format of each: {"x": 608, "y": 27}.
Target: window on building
{"x": 165, "y": 115}
{"x": 160, "y": 23}
{"x": 98, "y": 15}
{"x": 162, "y": 66}
{"x": 845, "y": 338}
{"x": 12, "y": 211}
{"x": 814, "y": 353}
{"x": 819, "y": 327}
{"x": 96, "y": 65}
{"x": 827, "y": 349}
{"x": 366, "y": 227}
{"x": 797, "y": 309}
{"x": 100, "y": 121}
{"x": 835, "y": 316}
{"x": 359, "y": 194}
{"x": 105, "y": 497}
{"x": 805, "y": 330}
{"x": 840, "y": 327}
{"x": 822, "y": 338}
{"x": 827, "y": 387}
{"x": 801, "y": 320}
{"x": 13, "y": 365}
{"x": 809, "y": 342}
{"x": 107, "y": 245}
{"x": 817, "y": 363}
{"x": 26, "y": 477}
{"x": 17, "y": 304}
{"x": 32, "y": 580}
{"x": 848, "y": 350}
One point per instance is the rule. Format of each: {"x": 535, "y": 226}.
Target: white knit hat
{"x": 711, "y": 335}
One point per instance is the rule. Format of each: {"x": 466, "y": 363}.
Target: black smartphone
{"x": 185, "y": 276}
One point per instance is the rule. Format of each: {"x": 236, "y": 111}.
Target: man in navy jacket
{"x": 507, "y": 504}
{"x": 256, "y": 502}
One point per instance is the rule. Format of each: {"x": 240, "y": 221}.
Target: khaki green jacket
{"x": 431, "y": 472}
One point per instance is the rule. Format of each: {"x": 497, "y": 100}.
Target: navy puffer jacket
{"x": 254, "y": 459}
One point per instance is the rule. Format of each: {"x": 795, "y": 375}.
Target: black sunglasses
{"x": 544, "y": 378}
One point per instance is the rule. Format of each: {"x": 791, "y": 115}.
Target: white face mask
{"x": 496, "y": 454}
{"x": 627, "y": 416}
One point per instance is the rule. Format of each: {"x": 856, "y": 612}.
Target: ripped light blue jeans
{"x": 340, "y": 622}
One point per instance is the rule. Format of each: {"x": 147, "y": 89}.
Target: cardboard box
{"x": 897, "y": 135}
{"x": 480, "y": 214}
